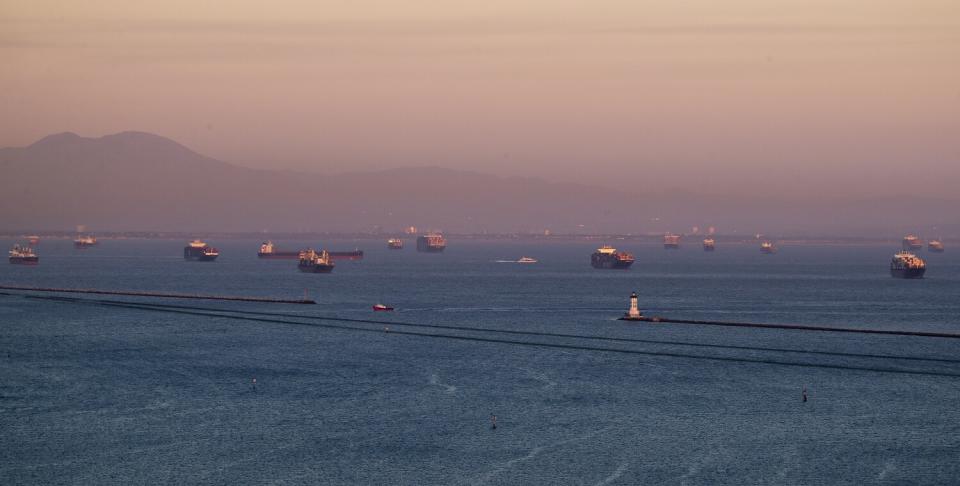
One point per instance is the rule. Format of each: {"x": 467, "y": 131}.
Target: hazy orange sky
{"x": 767, "y": 96}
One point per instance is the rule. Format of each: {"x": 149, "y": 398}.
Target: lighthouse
{"x": 634, "y": 313}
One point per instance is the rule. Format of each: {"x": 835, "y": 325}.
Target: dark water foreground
{"x": 112, "y": 394}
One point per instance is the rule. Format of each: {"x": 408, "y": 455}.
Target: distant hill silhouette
{"x": 141, "y": 181}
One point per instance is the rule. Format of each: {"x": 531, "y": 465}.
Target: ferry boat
{"x": 431, "y": 243}
{"x": 671, "y": 241}
{"x": 935, "y": 246}
{"x": 315, "y": 262}
{"x": 912, "y": 243}
{"x": 907, "y": 265}
{"x": 608, "y": 257}
{"x": 767, "y": 247}
{"x": 199, "y": 251}
{"x": 267, "y": 250}
{"x": 395, "y": 244}
{"x": 527, "y": 260}
{"x": 709, "y": 244}
{"x": 23, "y": 255}
{"x": 84, "y": 242}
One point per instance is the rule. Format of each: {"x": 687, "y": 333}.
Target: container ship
{"x": 84, "y": 242}
{"x": 671, "y": 241}
{"x": 767, "y": 247}
{"x": 267, "y": 250}
{"x": 199, "y": 251}
{"x": 709, "y": 244}
{"x": 431, "y": 243}
{"x": 912, "y": 243}
{"x": 609, "y": 257}
{"x": 395, "y": 244}
{"x": 935, "y": 246}
{"x": 315, "y": 262}
{"x": 23, "y": 255}
{"x": 346, "y": 255}
{"x": 907, "y": 265}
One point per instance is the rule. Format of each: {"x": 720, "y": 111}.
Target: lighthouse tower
{"x": 634, "y": 312}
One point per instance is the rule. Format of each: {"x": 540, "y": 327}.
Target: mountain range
{"x": 139, "y": 181}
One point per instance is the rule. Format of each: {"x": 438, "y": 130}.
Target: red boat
{"x": 381, "y": 308}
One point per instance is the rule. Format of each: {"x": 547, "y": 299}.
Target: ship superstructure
{"x": 767, "y": 247}
{"x": 912, "y": 243}
{"x": 23, "y": 255}
{"x": 199, "y": 251}
{"x": 431, "y": 243}
{"x": 907, "y": 265}
{"x": 609, "y": 258}
{"x": 84, "y": 241}
{"x": 312, "y": 261}
{"x": 671, "y": 241}
{"x": 395, "y": 243}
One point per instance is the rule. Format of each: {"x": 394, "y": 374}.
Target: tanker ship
{"x": 907, "y": 265}
{"x": 267, "y": 250}
{"x": 198, "y": 251}
{"x": 609, "y": 257}
{"x": 314, "y": 262}
{"x": 23, "y": 255}
{"x": 912, "y": 243}
{"x": 671, "y": 241}
{"x": 431, "y": 243}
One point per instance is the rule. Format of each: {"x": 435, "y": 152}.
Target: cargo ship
{"x": 315, "y": 262}
{"x": 912, "y": 242}
{"x": 709, "y": 244}
{"x": 346, "y": 255}
{"x": 935, "y": 246}
{"x": 767, "y": 247}
{"x": 199, "y": 251}
{"x": 267, "y": 250}
{"x": 395, "y": 244}
{"x": 84, "y": 242}
{"x": 609, "y": 257}
{"x": 431, "y": 243}
{"x": 671, "y": 241}
{"x": 907, "y": 265}
{"x": 23, "y": 255}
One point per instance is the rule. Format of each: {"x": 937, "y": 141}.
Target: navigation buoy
{"x": 634, "y": 313}
{"x": 253, "y": 385}
{"x": 493, "y": 421}
{"x": 804, "y": 394}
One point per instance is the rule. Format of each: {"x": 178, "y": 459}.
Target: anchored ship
{"x": 609, "y": 257}
{"x": 907, "y": 265}
{"x": 395, "y": 244}
{"x": 315, "y": 262}
{"x": 767, "y": 247}
{"x": 84, "y": 242}
{"x": 267, "y": 250}
{"x": 709, "y": 244}
{"x": 935, "y": 246}
{"x": 347, "y": 255}
{"x": 912, "y": 243}
{"x": 431, "y": 243}
{"x": 23, "y": 255}
{"x": 199, "y": 251}
{"x": 671, "y": 241}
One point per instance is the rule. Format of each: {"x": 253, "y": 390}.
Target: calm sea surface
{"x": 101, "y": 394}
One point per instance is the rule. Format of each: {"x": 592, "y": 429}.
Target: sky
{"x": 807, "y": 98}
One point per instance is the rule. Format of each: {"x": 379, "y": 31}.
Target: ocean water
{"x": 92, "y": 392}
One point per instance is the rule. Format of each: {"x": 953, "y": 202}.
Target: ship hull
{"x": 25, "y": 260}
{"x": 907, "y": 272}
{"x": 279, "y": 255}
{"x": 609, "y": 263}
{"x": 935, "y": 250}
{"x": 708, "y": 248}
{"x": 197, "y": 255}
{"x": 346, "y": 255}
{"x": 312, "y": 268}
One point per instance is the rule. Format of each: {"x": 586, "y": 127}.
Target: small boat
{"x": 527, "y": 260}
{"x": 381, "y": 308}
